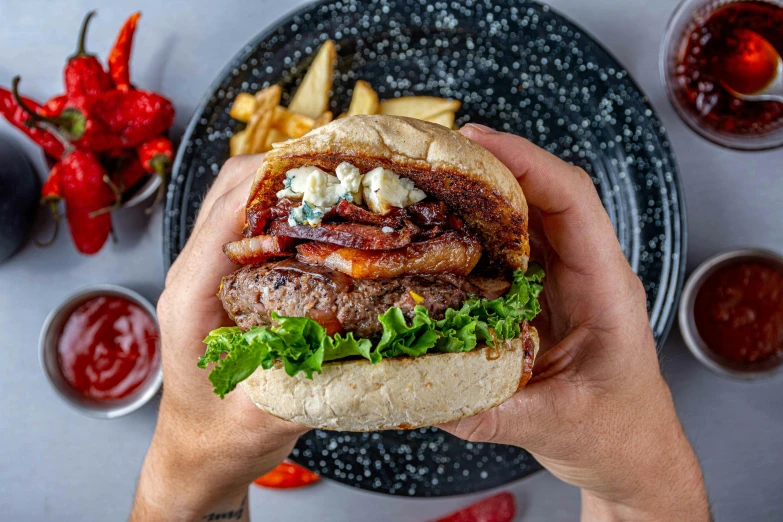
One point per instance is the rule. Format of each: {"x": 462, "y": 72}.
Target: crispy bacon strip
{"x": 490, "y": 287}
{"x": 453, "y": 252}
{"x": 353, "y": 235}
{"x": 428, "y": 214}
{"x": 356, "y": 214}
{"x": 259, "y": 215}
{"x": 258, "y": 249}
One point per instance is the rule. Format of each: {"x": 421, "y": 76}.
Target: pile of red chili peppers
{"x": 103, "y": 135}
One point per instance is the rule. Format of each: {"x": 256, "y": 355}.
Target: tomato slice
{"x": 287, "y": 475}
{"x": 497, "y": 508}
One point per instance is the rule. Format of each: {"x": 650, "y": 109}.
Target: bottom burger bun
{"x": 397, "y": 393}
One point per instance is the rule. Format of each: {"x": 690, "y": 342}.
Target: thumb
{"x": 516, "y": 422}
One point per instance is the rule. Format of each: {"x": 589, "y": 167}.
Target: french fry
{"x": 364, "y": 100}
{"x": 420, "y": 107}
{"x": 444, "y": 118}
{"x": 238, "y": 143}
{"x": 261, "y": 121}
{"x": 292, "y": 124}
{"x": 274, "y": 136}
{"x": 312, "y": 97}
{"x": 243, "y": 107}
{"x": 323, "y": 119}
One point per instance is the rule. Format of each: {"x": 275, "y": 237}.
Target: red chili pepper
{"x": 135, "y": 115}
{"x": 89, "y": 232}
{"x": 73, "y": 123}
{"x": 52, "y": 189}
{"x": 20, "y": 119}
{"x": 89, "y": 195}
{"x": 119, "y": 56}
{"x": 156, "y": 155}
{"x": 287, "y": 475}
{"x": 129, "y": 173}
{"x": 84, "y": 74}
{"x": 54, "y": 106}
{"x": 51, "y": 194}
{"x": 85, "y": 182}
{"x": 498, "y": 508}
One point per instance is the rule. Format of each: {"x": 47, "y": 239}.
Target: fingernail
{"x": 479, "y": 129}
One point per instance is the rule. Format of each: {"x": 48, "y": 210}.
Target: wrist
{"x": 171, "y": 488}
{"x": 663, "y": 482}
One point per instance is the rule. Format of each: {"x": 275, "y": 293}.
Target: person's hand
{"x": 206, "y": 451}
{"x": 597, "y": 412}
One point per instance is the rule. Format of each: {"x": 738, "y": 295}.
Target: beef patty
{"x": 293, "y": 289}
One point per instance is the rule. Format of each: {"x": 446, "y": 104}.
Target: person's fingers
{"x": 204, "y": 264}
{"x": 234, "y": 171}
{"x": 517, "y": 421}
{"x": 573, "y": 217}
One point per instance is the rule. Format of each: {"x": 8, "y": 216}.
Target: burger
{"x": 384, "y": 280}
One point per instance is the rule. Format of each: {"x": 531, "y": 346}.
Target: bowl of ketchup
{"x": 710, "y": 45}
{"x": 100, "y": 350}
{"x": 731, "y": 313}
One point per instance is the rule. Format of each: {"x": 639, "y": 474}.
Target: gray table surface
{"x": 58, "y": 465}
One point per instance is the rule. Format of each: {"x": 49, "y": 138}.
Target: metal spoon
{"x": 772, "y": 92}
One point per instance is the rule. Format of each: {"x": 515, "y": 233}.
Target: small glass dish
{"x": 688, "y": 17}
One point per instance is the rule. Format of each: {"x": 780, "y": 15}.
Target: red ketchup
{"x": 107, "y": 348}
{"x": 735, "y": 45}
{"x": 739, "y": 312}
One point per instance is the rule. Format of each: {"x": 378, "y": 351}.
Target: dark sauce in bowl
{"x": 719, "y": 45}
{"x": 738, "y": 312}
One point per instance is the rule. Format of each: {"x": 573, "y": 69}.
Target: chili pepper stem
{"x": 56, "y": 216}
{"x": 117, "y": 202}
{"x": 80, "y": 50}
{"x": 48, "y": 124}
{"x": 160, "y": 166}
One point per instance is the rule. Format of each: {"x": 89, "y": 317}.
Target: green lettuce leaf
{"x": 303, "y": 346}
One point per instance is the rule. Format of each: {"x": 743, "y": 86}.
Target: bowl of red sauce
{"x": 731, "y": 313}
{"x": 100, "y": 350}
{"x": 712, "y": 44}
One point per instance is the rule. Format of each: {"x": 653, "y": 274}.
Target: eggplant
{"x": 20, "y": 190}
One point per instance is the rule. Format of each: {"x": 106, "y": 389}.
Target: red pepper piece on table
{"x": 84, "y": 74}
{"x": 22, "y": 120}
{"x": 119, "y": 56}
{"x": 287, "y": 475}
{"x": 498, "y": 508}
{"x": 88, "y": 193}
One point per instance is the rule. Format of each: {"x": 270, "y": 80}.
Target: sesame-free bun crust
{"x": 441, "y": 162}
{"x": 397, "y": 393}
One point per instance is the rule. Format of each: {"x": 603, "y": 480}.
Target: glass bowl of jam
{"x": 731, "y": 313}
{"x": 100, "y": 351}
{"x": 714, "y": 43}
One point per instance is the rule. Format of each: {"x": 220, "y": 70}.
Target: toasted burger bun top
{"x": 397, "y": 393}
{"x": 441, "y": 162}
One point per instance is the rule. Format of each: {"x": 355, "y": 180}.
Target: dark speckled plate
{"x": 517, "y": 66}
